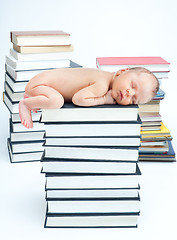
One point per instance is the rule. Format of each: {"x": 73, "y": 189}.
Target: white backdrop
{"x": 98, "y": 28}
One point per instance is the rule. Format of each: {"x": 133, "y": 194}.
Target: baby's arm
{"x": 95, "y": 94}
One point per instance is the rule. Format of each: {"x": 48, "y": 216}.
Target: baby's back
{"x": 68, "y": 81}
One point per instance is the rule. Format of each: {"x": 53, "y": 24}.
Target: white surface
{"x": 98, "y": 28}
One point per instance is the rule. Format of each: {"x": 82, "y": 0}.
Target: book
{"x": 91, "y": 220}
{"x": 150, "y": 128}
{"x": 26, "y": 75}
{"x": 26, "y": 136}
{"x": 23, "y": 157}
{"x": 161, "y": 75}
{"x": 35, "y": 117}
{"x": 37, "y": 64}
{"x": 69, "y": 181}
{"x": 153, "y": 107}
{"x": 71, "y": 113}
{"x": 23, "y": 147}
{"x": 153, "y": 143}
{"x": 168, "y": 157}
{"x": 94, "y": 153}
{"x": 92, "y": 141}
{"x": 13, "y": 107}
{"x": 154, "y": 64}
{"x": 164, "y": 131}
{"x": 159, "y": 95}
{"x": 126, "y": 205}
{"x": 14, "y": 96}
{"x": 95, "y": 129}
{"x": 15, "y": 86}
{"x": 40, "y": 38}
{"x": 40, "y": 56}
{"x": 92, "y": 194}
{"x": 150, "y": 116}
{"x": 87, "y": 167}
{"x": 21, "y": 75}
{"x": 43, "y": 49}
{"x": 154, "y": 149}
{"x": 18, "y": 127}
{"x": 151, "y": 123}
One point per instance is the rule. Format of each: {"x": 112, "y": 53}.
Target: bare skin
{"x": 84, "y": 87}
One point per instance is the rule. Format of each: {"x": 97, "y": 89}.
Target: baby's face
{"x": 131, "y": 88}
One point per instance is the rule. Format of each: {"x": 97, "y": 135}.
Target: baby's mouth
{"x": 121, "y": 95}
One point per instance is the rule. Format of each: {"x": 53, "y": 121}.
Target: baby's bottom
{"x": 36, "y": 98}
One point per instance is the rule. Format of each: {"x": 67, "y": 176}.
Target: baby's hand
{"x": 108, "y": 98}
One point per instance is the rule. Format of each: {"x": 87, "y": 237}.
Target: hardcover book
{"x": 40, "y": 38}
{"x": 71, "y": 113}
{"x": 154, "y": 64}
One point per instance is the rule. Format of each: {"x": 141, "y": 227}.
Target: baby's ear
{"x": 121, "y": 71}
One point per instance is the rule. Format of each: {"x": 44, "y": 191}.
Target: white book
{"x": 12, "y": 107}
{"x": 97, "y": 206}
{"x": 110, "y": 112}
{"x": 26, "y": 136}
{"x": 92, "y": 193}
{"x": 113, "y": 154}
{"x": 26, "y": 75}
{"x": 92, "y": 181}
{"x": 40, "y": 56}
{"x": 25, "y": 147}
{"x": 87, "y": 167}
{"x": 14, "y": 96}
{"x": 18, "y": 127}
{"x": 92, "y": 221}
{"x": 22, "y": 75}
{"x": 95, "y": 129}
{"x": 92, "y": 141}
{"x": 35, "y": 117}
{"x": 31, "y": 65}
{"x": 16, "y": 86}
{"x": 24, "y": 157}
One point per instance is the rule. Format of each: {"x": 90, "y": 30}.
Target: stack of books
{"x": 32, "y": 53}
{"x": 91, "y": 166}
{"x": 156, "y": 139}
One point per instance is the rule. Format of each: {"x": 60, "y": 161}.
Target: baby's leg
{"x": 39, "y": 97}
{"x": 33, "y": 110}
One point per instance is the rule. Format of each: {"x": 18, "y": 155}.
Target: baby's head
{"x": 134, "y": 86}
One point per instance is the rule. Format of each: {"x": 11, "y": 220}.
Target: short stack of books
{"x": 156, "y": 139}
{"x": 32, "y": 53}
{"x": 91, "y": 166}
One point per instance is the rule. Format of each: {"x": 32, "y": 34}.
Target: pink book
{"x": 154, "y": 64}
{"x": 131, "y": 61}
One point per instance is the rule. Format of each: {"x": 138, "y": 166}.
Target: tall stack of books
{"x": 91, "y": 166}
{"x": 156, "y": 139}
{"x": 32, "y": 53}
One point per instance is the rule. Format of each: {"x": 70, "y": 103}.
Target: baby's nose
{"x": 131, "y": 92}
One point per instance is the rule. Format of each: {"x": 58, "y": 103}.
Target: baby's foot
{"x": 25, "y": 115}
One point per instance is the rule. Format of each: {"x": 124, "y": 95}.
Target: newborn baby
{"x": 86, "y": 87}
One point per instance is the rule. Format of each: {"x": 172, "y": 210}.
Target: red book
{"x": 155, "y": 64}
